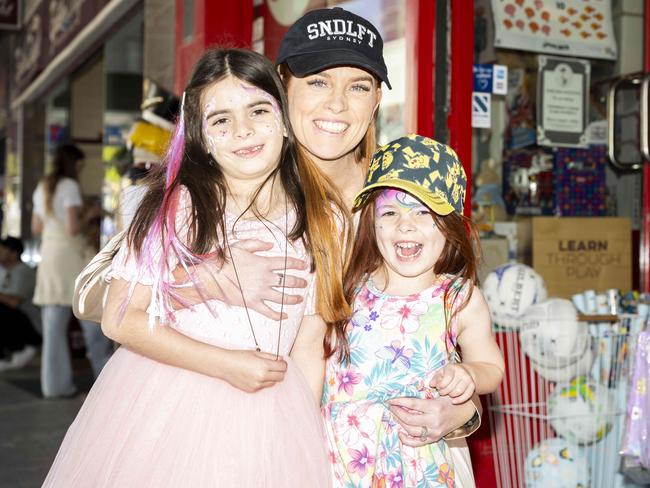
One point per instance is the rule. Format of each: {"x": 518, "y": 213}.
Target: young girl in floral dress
{"x": 416, "y": 312}
{"x": 209, "y": 394}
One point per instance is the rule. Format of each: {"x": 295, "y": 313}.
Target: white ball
{"x": 510, "y": 289}
{"x": 564, "y": 374}
{"x": 551, "y": 334}
{"x": 556, "y": 463}
{"x": 581, "y": 411}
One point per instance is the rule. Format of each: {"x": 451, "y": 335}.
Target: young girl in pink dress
{"x": 416, "y": 310}
{"x": 209, "y": 394}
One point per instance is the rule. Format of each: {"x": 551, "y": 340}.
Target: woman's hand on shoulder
{"x": 251, "y": 371}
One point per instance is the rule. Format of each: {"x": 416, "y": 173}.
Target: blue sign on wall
{"x": 482, "y": 78}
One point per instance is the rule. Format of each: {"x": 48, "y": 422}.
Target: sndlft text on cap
{"x": 338, "y": 27}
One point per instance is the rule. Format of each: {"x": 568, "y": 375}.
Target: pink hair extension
{"x": 162, "y": 242}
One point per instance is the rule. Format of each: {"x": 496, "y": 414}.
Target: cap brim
{"x": 309, "y": 63}
{"x": 438, "y": 205}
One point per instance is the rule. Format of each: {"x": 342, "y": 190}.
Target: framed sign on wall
{"x": 562, "y": 95}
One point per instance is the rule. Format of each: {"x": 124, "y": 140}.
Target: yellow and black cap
{"x": 427, "y": 169}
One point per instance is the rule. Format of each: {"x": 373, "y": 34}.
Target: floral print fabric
{"x": 396, "y": 343}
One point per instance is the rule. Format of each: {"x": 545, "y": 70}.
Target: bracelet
{"x": 466, "y": 429}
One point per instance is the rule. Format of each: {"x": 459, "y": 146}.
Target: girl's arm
{"x": 249, "y": 371}
{"x": 308, "y": 353}
{"x": 481, "y": 356}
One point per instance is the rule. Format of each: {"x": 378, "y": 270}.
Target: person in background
{"x": 57, "y": 218}
{"x": 19, "y": 339}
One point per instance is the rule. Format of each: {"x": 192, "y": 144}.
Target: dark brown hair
{"x": 309, "y": 192}
{"x": 64, "y": 165}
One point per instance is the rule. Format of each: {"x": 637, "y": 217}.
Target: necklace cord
{"x": 241, "y": 290}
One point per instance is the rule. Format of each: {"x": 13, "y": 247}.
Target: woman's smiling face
{"x": 331, "y": 111}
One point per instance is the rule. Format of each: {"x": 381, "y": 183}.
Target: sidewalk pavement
{"x": 31, "y": 428}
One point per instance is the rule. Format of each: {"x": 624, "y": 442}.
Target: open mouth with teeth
{"x": 408, "y": 250}
{"x": 248, "y": 152}
{"x": 331, "y": 127}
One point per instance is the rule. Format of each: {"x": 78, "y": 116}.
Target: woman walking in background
{"x": 57, "y": 218}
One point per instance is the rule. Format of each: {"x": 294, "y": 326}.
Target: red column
{"x": 421, "y": 45}
{"x": 215, "y": 23}
{"x": 459, "y": 119}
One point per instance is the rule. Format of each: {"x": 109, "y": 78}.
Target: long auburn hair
{"x": 187, "y": 163}
{"x": 459, "y": 257}
{"x": 64, "y": 165}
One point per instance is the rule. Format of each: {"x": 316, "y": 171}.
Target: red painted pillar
{"x": 214, "y": 23}
{"x": 459, "y": 120}
{"x": 421, "y": 45}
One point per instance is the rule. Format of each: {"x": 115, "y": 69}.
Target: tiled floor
{"x": 31, "y": 428}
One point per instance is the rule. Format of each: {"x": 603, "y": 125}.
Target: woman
{"x": 333, "y": 86}
{"x": 57, "y": 217}
{"x": 334, "y": 89}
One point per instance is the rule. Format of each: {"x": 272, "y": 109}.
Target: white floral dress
{"x": 396, "y": 345}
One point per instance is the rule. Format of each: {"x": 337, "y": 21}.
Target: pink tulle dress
{"x": 148, "y": 424}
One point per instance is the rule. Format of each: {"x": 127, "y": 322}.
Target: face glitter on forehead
{"x": 240, "y": 129}
{"x": 266, "y": 96}
{"x": 275, "y": 108}
{"x": 240, "y": 99}
{"x": 399, "y": 198}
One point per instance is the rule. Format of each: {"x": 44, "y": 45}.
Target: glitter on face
{"x": 213, "y": 137}
{"x": 242, "y": 127}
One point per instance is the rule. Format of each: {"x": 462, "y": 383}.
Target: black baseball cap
{"x": 13, "y": 243}
{"x": 330, "y": 37}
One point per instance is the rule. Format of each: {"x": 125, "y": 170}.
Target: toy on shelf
{"x": 558, "y": 418}
{"x": 509, "y": 290}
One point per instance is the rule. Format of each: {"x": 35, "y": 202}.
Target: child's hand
{"x": 251, "y": 371}
{"x": 455, "y": 381}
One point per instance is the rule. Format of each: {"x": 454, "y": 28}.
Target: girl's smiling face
{"x": 408, "y": 239}
{"x": 242, "y": 130}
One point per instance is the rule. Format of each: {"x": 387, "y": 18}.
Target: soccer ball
{"x": 581, "y": 411}
{"x": 564, "y": 374}
{"x": 551, "y": 334}
{"x": 556, "y": 463}
{"x": 510, "y": 289}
